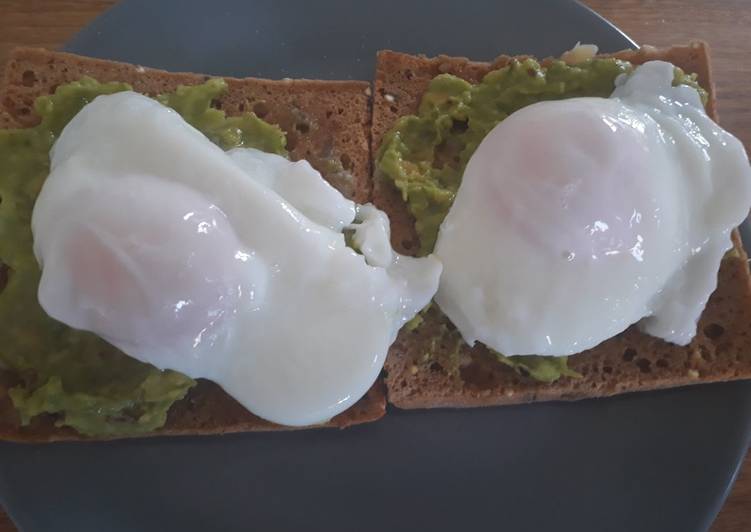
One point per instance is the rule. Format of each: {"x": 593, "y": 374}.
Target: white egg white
{"x": 577, "y": 218}
{"x": 226, "y": 266}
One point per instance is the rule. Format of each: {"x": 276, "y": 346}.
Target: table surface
{"x": 722, "y": 23}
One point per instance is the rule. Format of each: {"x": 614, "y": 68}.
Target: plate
{"x": 658, "y": 461}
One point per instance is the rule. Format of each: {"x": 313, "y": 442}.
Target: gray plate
{"x": 647, "y": 462}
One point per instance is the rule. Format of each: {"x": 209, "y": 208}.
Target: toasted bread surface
{"x": 326, "y": 122}
{"x": 629, "y": 362}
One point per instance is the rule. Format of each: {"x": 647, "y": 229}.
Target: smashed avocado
{"x": 87, "y": 383}
{"x": 424, "y": 155}
{"x": 446, "y": 344}
{"x": 540, "y": 368}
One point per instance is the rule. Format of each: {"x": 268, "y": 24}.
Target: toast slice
{"x": 629, "y": 362}
{"x": 326, "y": 122}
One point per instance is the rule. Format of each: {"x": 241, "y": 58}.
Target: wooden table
{"x": 726, "y": 25}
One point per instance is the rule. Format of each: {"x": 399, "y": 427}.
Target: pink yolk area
{"x": 147, "y": 260}
{"x": 568, "y": 182}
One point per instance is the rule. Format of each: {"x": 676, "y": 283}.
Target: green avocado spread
{"x": 424, "y": 155}
{"x": 87, "y": 383}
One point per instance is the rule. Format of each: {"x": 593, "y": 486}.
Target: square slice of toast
{"x": 326, "y": 122}
{"x": 631, "y": 361}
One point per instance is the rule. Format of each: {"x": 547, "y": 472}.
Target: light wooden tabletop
{"x": 725, "y": 24}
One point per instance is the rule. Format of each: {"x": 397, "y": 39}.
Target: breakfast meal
{"x": 184, "y": 254}
{"x": 589, "y": 203}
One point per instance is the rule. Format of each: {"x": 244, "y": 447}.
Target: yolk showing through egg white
{"x": 138, "y": 252}
{"x": 226, "y": 266}
{"x": 577, "y": 218}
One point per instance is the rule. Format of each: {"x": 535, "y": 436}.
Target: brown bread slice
{"x": 327, "y": 122}
{"x": 629, "y": 362}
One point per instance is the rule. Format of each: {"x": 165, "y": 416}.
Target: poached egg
{"x": 226, "y": 266}
{"x": 577, "y": 218}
